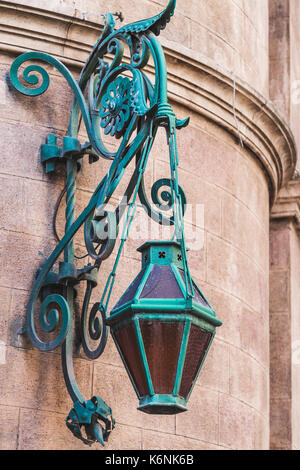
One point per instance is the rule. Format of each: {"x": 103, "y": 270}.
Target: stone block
{"x": 38, "y": 207}
{"x": 21, "y": 156}
{"x": 262, "y": 432}
{"x": 29, "y": 251}
{"x": 251, "y": 188}
{"x": 229, "y": 310}
{"x": 124, "y": 438}
{"x": 201, "y": 421}
{"x": 279, "y": 291}
{"x": 280, "y": 356}
{"x": 254, "y": 329}
{"x": 43, "y": 430}
{"x": 161, "y": 441}
{"x": 279, "y": 245}
{"x": 244, "y": 372}
{"x": 113, "y": 385}
{"x": 36, "y": 381}
{"x": 11, "y": 205}
{"x": 280, "y": 424}
{"x": 237, "y": 424}
{"x": 228, "y": 269}
{"x": 242, "y": 228}
{"x": 203, "y": 154}
{"x": 9, "y": 423}
{"x": 215, "y": 372}
{"x": 5, "y": 299}
{"x": 17, "y": 319}
{"x": 197, "y": 255}
{"x": 211, "y": 45}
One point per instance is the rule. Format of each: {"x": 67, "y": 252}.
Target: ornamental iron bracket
{"x": 123, "y": 103}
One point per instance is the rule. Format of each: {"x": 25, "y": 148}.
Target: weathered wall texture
{"x": 284, "y": 335}
{"x": 284, "y": 319}
{"x": 284, "y": 239}
{"x": 280, "y": 63}
{"x": 295, "y": 69}
{"x": 280, "y": 336}
{"x": 232, "y": 160}
{"x": 284, "y": 60}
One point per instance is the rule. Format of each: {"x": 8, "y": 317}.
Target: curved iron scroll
{"x": 124, "y": 104}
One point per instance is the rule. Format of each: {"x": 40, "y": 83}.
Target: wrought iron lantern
{"x": 163, "y": 325}
{"x": 162, "y": 333}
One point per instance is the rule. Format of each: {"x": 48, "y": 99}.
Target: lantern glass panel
{"x": 161, "y": 283}
{"x": 162, "y": 343}
{"x": 131, "y": 291}
{"x": 128, "y": 344}
{"x": 198, "y": 343}
{"x": 198, "y": 296}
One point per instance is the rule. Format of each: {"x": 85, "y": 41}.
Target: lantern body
{"x": 162, "y": 335}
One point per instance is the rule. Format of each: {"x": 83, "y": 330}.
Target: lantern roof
{"x": 160, "y": 287}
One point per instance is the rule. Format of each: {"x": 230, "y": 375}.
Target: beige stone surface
{"x": 234, "y": 157}
{"x": 244, "y": 372}
{"x": 201, "y": 421}
{"x": 159, "y": 441}
{"x": 295, "y": 327}
{"x": 5, "y": 296}
{"x": 115, "y": 388}
{"x": 235, "y": 418}
{"x": 9, "y": 425}
{"x": 215, "y": 372}
{"x": 279, "y": 52}
{"x": 280, "y": 417}
{"x": 240, "y": 33}
{"x": 40, "y": 430}
{"x": 284, "y": 324}
{"x": 295, "y": 68}
{"x": 35, "y": 380}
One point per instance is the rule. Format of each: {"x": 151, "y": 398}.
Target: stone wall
{"x": 284, "y": 319}
{"x": 284, "y": 60}
{"x": 284, "y": 239}
{"x": 234, "y": 157}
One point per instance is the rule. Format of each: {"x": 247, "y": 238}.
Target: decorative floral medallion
{"x": 116, "y": 107}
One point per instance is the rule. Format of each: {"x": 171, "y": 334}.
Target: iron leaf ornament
{"x": 123, "y": 103}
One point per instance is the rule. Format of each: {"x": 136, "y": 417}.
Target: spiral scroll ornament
{"x": 96, "y": 329}
{"x": 113, "y": 97}
{"x": 162, "y": 201}
{"x": 53, "y": 308}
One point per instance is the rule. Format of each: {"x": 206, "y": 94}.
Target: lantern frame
{"x": 133, "y": 309}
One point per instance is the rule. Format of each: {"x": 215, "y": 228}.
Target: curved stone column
{"x": 234, "y": 157}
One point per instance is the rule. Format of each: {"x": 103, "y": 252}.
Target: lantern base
{"x": 162, "y": 405}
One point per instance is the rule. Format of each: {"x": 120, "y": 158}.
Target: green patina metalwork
{"x": 123, "y": 103}
{"x": 184, "y": 309}
{"x": 88, "y": 414}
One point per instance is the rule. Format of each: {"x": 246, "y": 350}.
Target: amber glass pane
{"x": 197, "y": 346}
{"x": 162, "y": 284}
{"x": 162, "y": 343}
{"x": 130, "y": 292}
{"x": 127, "y": 341}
